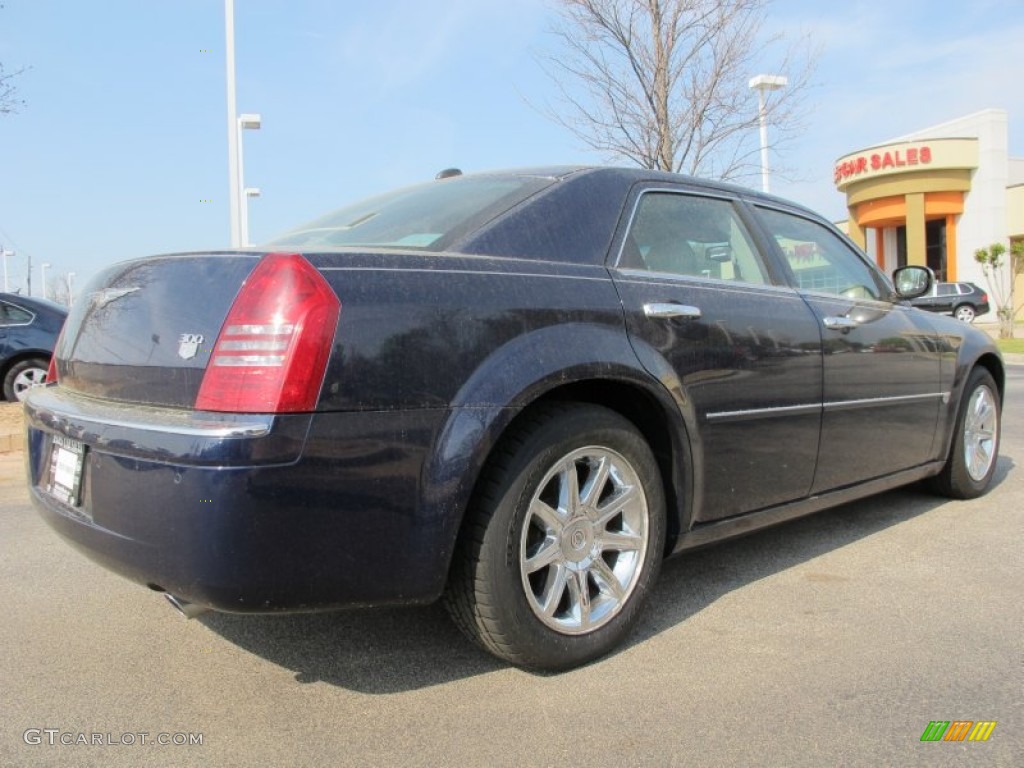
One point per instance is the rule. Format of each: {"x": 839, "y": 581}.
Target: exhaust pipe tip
{"x": 184, "y": 607}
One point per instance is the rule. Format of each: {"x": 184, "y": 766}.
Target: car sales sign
{"x": 904, "y": 156}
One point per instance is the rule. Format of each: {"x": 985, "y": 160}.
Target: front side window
{"x": 691, "y": 236}
{"x": 821, "y": 261}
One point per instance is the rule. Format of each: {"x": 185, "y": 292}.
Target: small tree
{"x": 9, "y": 101}
{"x": 58, "y": 290}
{"x": 664, "y": 83}
{"x": 1001, "y": 281}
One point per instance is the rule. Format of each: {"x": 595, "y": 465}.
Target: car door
{"x": 946, "y": 297}
{"x": 5, "y": 323}
{"x": 701, "y": 302}
{"x": 881, "y": 362}
{"x": 930, "y": 300}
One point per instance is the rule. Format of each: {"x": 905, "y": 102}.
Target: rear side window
{"x": 821, "y": 261}
{"x": 946, "y": 289}
{"x": 12, "y": 315}
{"x": 425, "y": 217}
{"x": 691, "y": 236}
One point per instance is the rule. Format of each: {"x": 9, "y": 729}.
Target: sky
{"x": 121, "y": 148}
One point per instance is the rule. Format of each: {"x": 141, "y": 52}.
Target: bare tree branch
{"x": 9, "y": 101}
{"x": 664, "y": 83}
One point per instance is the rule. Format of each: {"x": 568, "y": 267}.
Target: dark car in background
{"x": 965, "y": 301}
{"x": 515, "y": 392}
{"x": 28, "y": 333}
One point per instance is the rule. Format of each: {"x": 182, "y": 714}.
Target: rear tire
{"x": 965, "y": 313}
{"x": 975, "y": 450}
{"x": 563, "y": 541}
{"x": 23, "y": 376}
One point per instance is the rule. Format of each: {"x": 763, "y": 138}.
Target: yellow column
{"x": 855, "y": 230}
{"x": 951, "y": 265}
{"x": 880, "y": 247}
{"x": 916, "y": 246}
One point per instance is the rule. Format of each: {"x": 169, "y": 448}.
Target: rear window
{"x": 428, "y": 217}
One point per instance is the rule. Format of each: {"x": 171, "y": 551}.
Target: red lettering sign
{"x": 881, "y": 161}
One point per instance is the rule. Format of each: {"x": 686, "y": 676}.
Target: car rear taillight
{"x": 51, "y": 369}
{"x": 984, "y": 297}
{"x": 272, "y": 351}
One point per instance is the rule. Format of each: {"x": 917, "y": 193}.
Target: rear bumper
{"x": 307, "y": 512}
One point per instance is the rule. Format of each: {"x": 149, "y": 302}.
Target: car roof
{"x": 33, "y": 303}
{"x": 630, "y": 176}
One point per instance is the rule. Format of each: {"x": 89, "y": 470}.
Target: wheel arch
{"x": 658, "y": 421}
{"x": 990, "y": 361}
{"x": 994, "y": 365}
{"x": 583, "y": 361}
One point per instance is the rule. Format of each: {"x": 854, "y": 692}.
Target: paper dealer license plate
{"x": 66, "y": 461}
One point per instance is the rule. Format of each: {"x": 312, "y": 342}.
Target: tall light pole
{"x": 3, "y": 255}
{"x": 249, "y": 192}
{"x": 252, "y": 122}
{"x": 762, "y": 83}
{"x": 236, "y": 123}
{"x": 235, "y": 187}
{"x": 71, "y": 294}
{"x": 42, "y": 272}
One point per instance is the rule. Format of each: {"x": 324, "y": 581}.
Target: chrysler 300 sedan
{"x": 514, "y": 392}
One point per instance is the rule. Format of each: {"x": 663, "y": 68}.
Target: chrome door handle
{"x": 840, "y": 323}
{"x": 671, "y": 309}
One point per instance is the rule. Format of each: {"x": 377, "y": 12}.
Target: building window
{"x": 935, "y": 247}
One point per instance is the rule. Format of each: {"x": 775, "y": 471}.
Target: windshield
{"x": 428, "y": 216}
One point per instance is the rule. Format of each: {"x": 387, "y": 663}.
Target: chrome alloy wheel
{"x": 981, "y": 430}
{"x": 584, "y": 539}
{"x": 965, "y": 313}
{"x": 26, "y": 380}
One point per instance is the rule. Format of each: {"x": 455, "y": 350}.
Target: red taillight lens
{"x": 272, "y": 351}
{"x": 51, "y": 369}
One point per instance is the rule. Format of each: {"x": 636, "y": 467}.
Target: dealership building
{"x": 936, "y": 196}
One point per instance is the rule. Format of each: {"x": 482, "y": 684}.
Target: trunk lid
{"x": 143, "y": 330}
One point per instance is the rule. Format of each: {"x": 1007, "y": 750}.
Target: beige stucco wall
{"x": 1015, "y": 211}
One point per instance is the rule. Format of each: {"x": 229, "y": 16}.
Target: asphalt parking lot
{"x": 832, "y": 640}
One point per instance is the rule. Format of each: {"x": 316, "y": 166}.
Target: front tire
{"x": 975, "y": 451}
{"x": 23, "y": 376}
{"x": 564, "y": 540}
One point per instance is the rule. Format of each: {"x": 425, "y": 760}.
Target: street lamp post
{"x": 249, "y": 192}
{"x": 3, "y": 255}
{"x": 42, "y": 272}
{"x": 252, "y": 122}
{"x": 71, "y": 294}
{"x": 762, "y": 83}
{"x": 236, "y": 123}
{"x": 234, "y": 187}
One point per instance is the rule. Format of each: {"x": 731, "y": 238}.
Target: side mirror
{"x": 912, "y": 281}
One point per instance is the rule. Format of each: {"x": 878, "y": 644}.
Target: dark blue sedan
{"x": 515, "y": 392}
{"x": 28, "y": 333}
